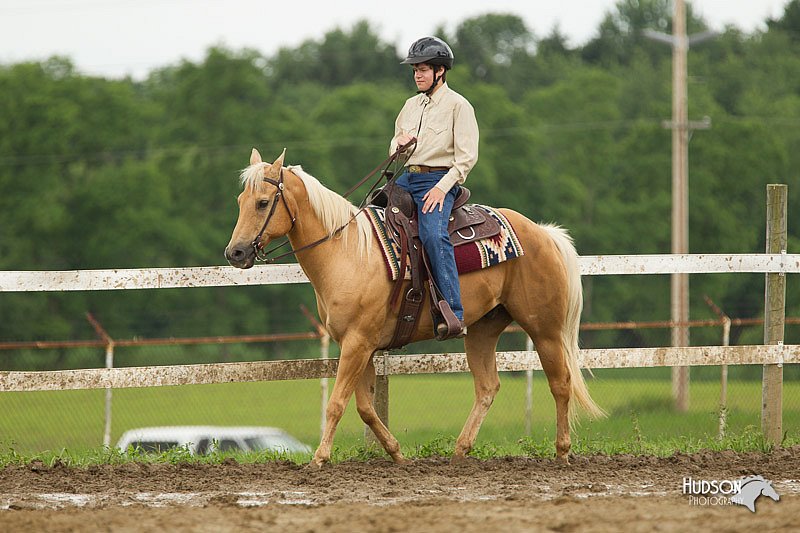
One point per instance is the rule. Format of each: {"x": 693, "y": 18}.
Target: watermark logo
{"x": 743, "y": 491}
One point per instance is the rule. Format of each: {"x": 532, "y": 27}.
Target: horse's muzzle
{"x": 240, "y": 256}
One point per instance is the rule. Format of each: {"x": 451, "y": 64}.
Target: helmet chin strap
{"x": 436, "y": 79}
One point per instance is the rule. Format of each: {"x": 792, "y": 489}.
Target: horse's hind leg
{"x": 481, "y": 345}
{"x": 551, "y": 354}
{"x": 365, "y": 394}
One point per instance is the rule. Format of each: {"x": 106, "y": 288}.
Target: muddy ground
{"x": 597, "y": 493}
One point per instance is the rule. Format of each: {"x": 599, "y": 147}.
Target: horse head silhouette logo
{"x": 752, "y": 488}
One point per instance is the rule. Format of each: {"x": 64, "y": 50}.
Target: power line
{"x": 321, "y": 143}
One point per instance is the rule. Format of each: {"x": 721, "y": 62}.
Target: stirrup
{"x": 443, "y": 334}
{"x": 451, "y": 327}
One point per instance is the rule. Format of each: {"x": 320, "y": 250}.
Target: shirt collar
{"x": 437, "y": 96}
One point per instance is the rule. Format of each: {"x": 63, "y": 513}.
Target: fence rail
{"x": 223, "y": 276}
{"x": 385, "y": 365}
{"x": 776, "y": 263}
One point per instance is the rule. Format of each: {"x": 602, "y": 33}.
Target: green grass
{"x": 426, "y": 415}
{"x": 748, "y": 441}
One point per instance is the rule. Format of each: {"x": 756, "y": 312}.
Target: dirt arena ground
{"x": 598, "y": 493}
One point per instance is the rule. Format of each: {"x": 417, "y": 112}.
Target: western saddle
{"x": 467, "y": 225}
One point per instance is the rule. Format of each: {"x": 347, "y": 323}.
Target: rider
{"x": 443, "y": 122}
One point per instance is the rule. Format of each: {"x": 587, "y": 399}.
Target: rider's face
{"x": 423, "y": 76}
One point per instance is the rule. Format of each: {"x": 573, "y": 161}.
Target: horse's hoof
{"x": 563, "y": 459}
{"x": 315, "y": 465}
{"x": 401, "y": 460}
{"x": 458, "y": 459}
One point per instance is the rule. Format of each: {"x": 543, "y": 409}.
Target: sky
{"x": 117, "y": 38}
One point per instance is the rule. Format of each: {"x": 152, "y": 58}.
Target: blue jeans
{"x": 434, "y": 236}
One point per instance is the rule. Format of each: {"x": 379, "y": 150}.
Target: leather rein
{"x": 264, "y": 255}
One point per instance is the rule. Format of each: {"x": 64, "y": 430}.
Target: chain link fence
{"x": 423, "y": 408}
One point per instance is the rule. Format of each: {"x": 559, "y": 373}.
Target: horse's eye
{"x": 263, "y": 204}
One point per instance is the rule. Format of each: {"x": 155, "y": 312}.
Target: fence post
{"x": 380, "y": 400}
{"x": 723, "y": 381}
{"x": 723, "y": 377}
{"x": 324, "y": 346}
{"x": 103, "y": 334}
{"x": 528, "y": 392}
{"x": 324, "y": 349}
{"x": 774, "y": 316}
{"x": 109, "y": 394}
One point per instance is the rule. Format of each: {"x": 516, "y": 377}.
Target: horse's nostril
{"x": 235, "y": 254}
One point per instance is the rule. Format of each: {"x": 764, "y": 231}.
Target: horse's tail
{"x": 569, "y": 334}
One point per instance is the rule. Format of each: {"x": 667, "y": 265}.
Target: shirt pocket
{"x": 439, "y": 121}
{"x": 409, "y": 125}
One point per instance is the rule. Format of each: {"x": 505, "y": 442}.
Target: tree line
{"x": 119, "y": 173}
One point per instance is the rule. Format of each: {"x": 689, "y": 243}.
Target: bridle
{"x": 261, "y": 255}
{"x": 264, "y": 255}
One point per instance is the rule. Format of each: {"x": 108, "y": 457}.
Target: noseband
{"x": 261, "y": 255}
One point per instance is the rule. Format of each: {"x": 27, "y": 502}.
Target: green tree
{"x": 789, "y": 22}
{"x": 99, "y": 173}
{"x": 621, "y": 33}
{"x": 340, "y": 58}
{"x": 491, "y": 44}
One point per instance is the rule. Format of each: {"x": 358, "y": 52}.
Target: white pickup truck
{"x": 201, "y": 440}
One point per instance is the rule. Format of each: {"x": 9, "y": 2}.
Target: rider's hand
{"x": 434, "y": 197}
{"x": 403, "y": 140}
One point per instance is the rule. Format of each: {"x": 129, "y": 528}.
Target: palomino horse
{"x": 541, "y": 290}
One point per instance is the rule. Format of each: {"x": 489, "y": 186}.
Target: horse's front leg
{"x": 355, "y": 355}
{"x": 365, "y": 394}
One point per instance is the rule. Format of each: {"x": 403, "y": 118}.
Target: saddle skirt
{"x": 482, "y": 237}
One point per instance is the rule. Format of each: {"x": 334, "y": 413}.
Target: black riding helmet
{"x": 430, "y": 50}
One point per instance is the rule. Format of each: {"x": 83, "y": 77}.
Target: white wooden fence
{"x": 773, "y": 354}
{"x": 224, "y": 276}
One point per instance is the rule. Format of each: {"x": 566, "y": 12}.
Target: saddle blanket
{"x": 469, "y": 256}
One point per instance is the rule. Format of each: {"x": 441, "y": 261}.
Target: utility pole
{"x": 681, "y": 131}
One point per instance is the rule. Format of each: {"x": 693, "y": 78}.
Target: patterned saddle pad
{"x": 470, "y": 256}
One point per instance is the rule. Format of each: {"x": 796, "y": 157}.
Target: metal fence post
{"x": 103, "y": 334}
{"x": 723, "y": 377}
{"x": 528, "y": 392}
{"x": 109, "y": 394}
{"x": 774, "y": 316}
{"x": 723, "y": 381}
{"x": 324, "y": 346}
{"x": 324, "y": 349}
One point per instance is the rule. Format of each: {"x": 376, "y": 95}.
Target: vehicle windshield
{"x": 275, "y": 443}
{"x": 153, "y": 446}
{"x": 206, "y": 446}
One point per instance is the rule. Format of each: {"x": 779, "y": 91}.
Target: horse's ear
{"x": 275, "y": 169}
{"x": 255, "y": 157}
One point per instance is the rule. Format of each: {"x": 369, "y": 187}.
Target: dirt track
{"x": 514, "y": 494}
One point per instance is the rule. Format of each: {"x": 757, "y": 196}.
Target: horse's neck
{"x": 322, "y": 263}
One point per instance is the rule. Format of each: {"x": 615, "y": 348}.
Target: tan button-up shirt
{"x": 446, "y": 131}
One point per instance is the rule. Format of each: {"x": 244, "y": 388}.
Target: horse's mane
{"x": 333, "y": 210}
